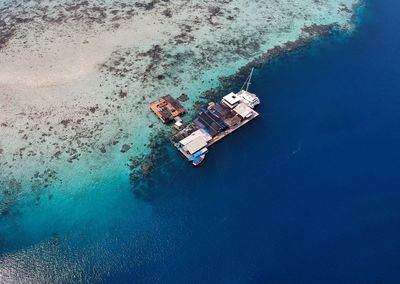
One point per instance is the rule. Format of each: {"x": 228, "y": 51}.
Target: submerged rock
{"x": 125, "y": 148}
{"x": 183, "y": 98}
{"x": 147, "y": 166}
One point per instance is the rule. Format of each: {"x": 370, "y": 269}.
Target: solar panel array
{"x": 210, "y": 122}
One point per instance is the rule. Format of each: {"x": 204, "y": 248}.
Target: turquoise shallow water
{"x": 311, "y": 198}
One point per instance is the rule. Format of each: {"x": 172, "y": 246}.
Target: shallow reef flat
{"x": 77, "y": 77}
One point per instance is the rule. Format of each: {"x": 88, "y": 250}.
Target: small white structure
{"x": 231, "y": 100}
{"x": 194, "y": 135}
{"x": 178, "y": 123}
{"x": 195, "y": 141}
{"x": 195, "y": 145}
{"x": 243, "y": 110}
{"x": 248, "y": 98}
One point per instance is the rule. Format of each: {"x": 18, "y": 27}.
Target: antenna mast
{"x": 249, "y": 80}
{"x": 247, "y": 83}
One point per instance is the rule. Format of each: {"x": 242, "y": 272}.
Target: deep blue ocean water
{"x": 307, "y": 193}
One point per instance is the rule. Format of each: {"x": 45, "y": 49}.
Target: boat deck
{"x": 223, "y": 134}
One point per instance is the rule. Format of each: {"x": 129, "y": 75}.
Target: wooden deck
{"x": 166, "y": 108}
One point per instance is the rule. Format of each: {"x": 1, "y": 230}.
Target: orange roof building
{"x": 167, "y": 108}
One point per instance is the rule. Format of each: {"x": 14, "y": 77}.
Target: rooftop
{"x": 243, "y": 110}
{"x": 231, "y": 98}
{"x": 166, "y": 108}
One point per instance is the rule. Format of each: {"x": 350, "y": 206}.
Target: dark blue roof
{"x": 210, "y": 122}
